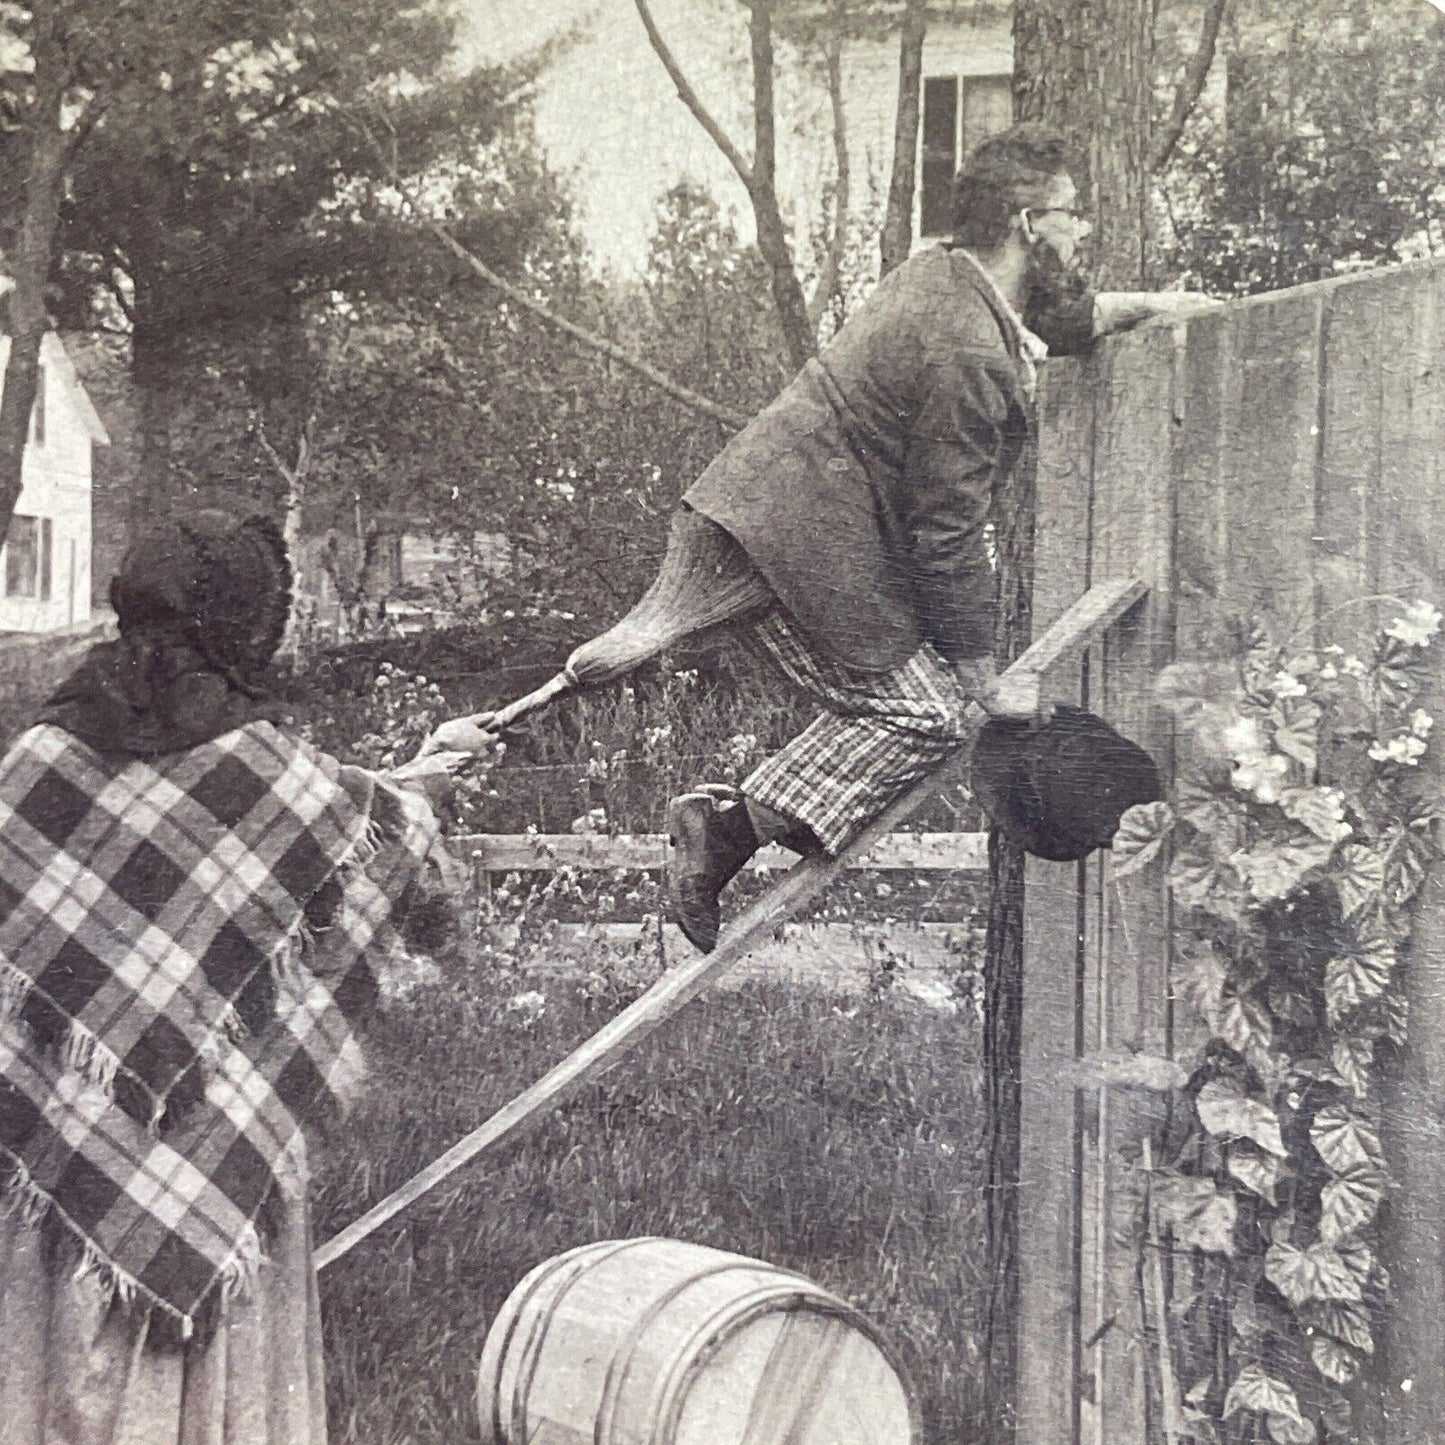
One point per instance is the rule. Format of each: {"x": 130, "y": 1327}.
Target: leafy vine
{"x": 1298, "y": 836}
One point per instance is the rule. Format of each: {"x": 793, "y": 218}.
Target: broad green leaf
{"x": 1350, "y": 1201}
{"x": 1291, "y": 1430}
{"x": 1395, "y": 1011}
{"x": 1297, "y": 730}
{"x": 1336, "y": 1362}
{"x": 1359, "y": 875}
{"x": 1402, "y": 674}
{"x": 1244, "y": 1025}
{"x": 1316, "y": 1273}
{"x": 1276, "y": 869}
{"x": 1229, "y": 1113}
{"x": 1219, "y": 816}
{"x": 1352, "y": 1059}
{"x": 1353, "y": 981}
{"x": 1261, "y": 1393}
{"x": 1360, "y": 1260}
{"x": 1345, "y": 1141}
{"x": 1142, "y": 833}
{"x": 1200, "y": 881}
{"x": 1259, "y": 1172}
{"x": 1204, "y": 971}
{"x": 1321, "y": 810}
{"x": 1406, "y": 861}
{"x": 1340, "y": 1320}
{"x": 1198, "y": 1213}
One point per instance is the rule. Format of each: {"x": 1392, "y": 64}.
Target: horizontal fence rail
{"x": 642, "y": 852}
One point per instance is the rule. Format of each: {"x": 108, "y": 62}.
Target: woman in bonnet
{"x": 192, "y": 902}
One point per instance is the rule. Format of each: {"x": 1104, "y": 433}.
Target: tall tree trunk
{"x": 792, "y": 306}
{"x": 897, "y": 238}
{"x": 829, "y": 295}
{"x": 1086, "y": 70}
{"x": 152, "y": 370}
{"x": 30, "y": 271}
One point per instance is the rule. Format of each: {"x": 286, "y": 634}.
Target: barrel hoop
{"x": 577, "y": 1260}
{"x": 694, "y": 1357}
{"x": 621, "y": 1362}
{"x": 780, "y": 1295}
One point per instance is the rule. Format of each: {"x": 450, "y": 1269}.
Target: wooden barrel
{"x": 656, "y": 1342}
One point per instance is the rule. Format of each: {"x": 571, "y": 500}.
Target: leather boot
{"x": 709, "y": 845}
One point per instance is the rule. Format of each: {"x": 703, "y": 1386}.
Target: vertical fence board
{"x": 1048, "y": 1174}
{"x": 1133, "y": 533}
{"x": 1064, "y": 483}
{"x": 1347, "y": 540}
{"x": 1412, "y": 515}
{"x": 1205, "y": 374}
{"x": 1270, "y": 445}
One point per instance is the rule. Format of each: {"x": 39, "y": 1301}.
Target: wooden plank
{"x": 1065, "y": 450}
{"x": 1046, "y": 1394}
{"x": 1358, "y": 320}
{"x": 1133, "y": 527}
{"x": 547, "y": 852}
{"x": 1412, "y": 513}
{"x": 1271, "y": 435}
{"x": 680, "y": 985}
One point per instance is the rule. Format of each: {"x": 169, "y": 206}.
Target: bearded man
{"x": 859, "y": 501}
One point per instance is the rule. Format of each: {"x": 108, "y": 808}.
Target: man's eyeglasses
{"x": 1072, "y": 212}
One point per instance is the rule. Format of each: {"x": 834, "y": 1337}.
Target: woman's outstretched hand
{"x": 476, "y": 733}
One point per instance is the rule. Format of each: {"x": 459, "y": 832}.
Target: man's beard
{"x": 1058, "y": 302}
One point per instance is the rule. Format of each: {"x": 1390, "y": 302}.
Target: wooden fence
{"x": 1269, "y": 461}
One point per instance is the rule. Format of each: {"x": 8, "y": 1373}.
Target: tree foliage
{"x": 1323, "y": 153}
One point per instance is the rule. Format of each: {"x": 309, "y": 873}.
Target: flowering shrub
{"x": 1300, "y": 834}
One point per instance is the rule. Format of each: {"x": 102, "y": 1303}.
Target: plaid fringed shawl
{"x": 184, "y": 968}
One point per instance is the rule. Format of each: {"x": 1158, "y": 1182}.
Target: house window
{"x": 37, "y": 414}
{"x": 958, "y": 113}
{"x": 27, "y": 558}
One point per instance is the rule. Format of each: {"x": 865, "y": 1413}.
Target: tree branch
{"x": 734, "y": 420}
{"x": 690, "y": 99}
{"x": 1191, "y": 87}
{"x": 828, "y": 281}
{"x": 897, "y": 238}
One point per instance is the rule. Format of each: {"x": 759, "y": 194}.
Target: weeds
{"x": 841, "y": 1141}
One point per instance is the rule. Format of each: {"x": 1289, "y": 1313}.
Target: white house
{"x": 611, "y": 121}
{"x": 45, "y": 562}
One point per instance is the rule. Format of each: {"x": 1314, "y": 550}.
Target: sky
{"x": 607, "y": 114}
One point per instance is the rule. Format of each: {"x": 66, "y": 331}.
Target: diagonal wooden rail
{"x": 1080, "y": 626}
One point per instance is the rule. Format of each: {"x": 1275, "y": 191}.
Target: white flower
{"x": 530, "y": 1006}
{"x": 1421, "y": 722}
{"x": 1419, "y": 624}
{"x": 1352, "y": 666}
{"x": 1244, "y": 740}
{"x": 1329, "y": 672}
{"x": 1286, "y": 684}
{"x": 1263, "y": 777}
{"x": 1405, "y": 749}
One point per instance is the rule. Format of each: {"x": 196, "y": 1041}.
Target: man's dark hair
{"x": 1003, "y": 175}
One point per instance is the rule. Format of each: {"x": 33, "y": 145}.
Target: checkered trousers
{"x": 183, "y": 972}
{"x": 882, "y": 732}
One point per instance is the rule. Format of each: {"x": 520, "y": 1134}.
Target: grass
{"x": 842, "y": 1138}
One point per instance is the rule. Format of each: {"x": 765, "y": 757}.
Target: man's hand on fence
{"x": 1119, "y": 310}
{"x": 1015, "y": 696}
